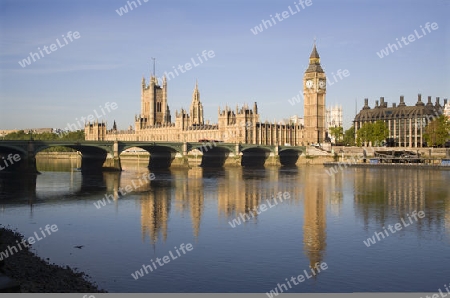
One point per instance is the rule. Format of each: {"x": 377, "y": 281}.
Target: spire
{"x": 196, "y": 93}
{"x": 196, "y": 109}
{"x": 314, "y": 53}
{"x": 314, "y": 61}
{"x": 154, "y": 66}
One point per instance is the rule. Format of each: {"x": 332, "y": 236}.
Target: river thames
{"x": 239, "y": 229}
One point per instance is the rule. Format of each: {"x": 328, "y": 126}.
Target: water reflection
{"x": 385, "y": 195}
{"x": 381, "y": 196}
{"x": 447, "y": 217}
{"x": 16, "y": 187}
{"x": 335, "y": 194}
{"x": 314, "y": 226}
{"x": 324, "y": 221}
{"x": 155, "y": 209}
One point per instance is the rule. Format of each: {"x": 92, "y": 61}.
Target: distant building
{"x": 447, "y": 109}
{"x": 333, "y": 118}
{"x": 406, "y": 123}
{"x": 297, "y": 120}
{"x": 239, "y": 125}
{"x": 38, "y": 130}
{"x": 4, "y": 132}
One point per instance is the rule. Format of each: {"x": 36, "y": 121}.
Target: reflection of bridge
{"x": 98, "y": 155}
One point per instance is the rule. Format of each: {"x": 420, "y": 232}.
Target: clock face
{"x": 322, "y": 84}
{"x": 309, "y": 83}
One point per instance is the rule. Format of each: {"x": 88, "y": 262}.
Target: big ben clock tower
{"x": 314, "y": 90}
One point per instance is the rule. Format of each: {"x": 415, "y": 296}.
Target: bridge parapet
{"x": 105, "y": 155}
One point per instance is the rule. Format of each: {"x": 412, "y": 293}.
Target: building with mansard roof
{"x": 406, "y": 123}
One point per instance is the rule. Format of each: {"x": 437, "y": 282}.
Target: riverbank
{"x": 340, "y": 165}
{"x": 35, "y": 275}
{"x": 59, "y": 155}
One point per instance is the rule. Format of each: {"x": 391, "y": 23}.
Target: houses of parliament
{"x": 239, "y": 125}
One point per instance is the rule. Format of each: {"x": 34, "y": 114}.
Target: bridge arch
{"x": 255, "y": 156}
{"x": 213, "y": 153}
{"x": 12, "y": 157}
{"x": 161, "y": 156}
{"x": 93, "y": 156}
{"x": 215, "y": 157}
{"x": 289, "y": 156}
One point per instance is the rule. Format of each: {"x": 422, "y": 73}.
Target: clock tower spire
{"x": 314, "y": 91}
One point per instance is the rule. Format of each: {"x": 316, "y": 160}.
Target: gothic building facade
{"x": 238, "y": 125}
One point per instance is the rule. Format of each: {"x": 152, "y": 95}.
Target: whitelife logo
{"x": 262, "y": 208}
{"x": 11, "y": 158}
{"x": 71, "y": 36}
{"x": 280, "y": 16}
{"x": 31, "y": 240}
{"x": 397, "y": 226}
{"x": 411, "y": 38}
{"x": 124, "y": 9}
{"x": 165, "y": 259}
{"x": 318, "y": 268}
{"x": 126, "y": 190}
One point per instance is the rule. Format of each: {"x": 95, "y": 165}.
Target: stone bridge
{"x": 20, "y": 156}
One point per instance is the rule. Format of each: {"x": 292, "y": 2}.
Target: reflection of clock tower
{"x": 314, "y": 89}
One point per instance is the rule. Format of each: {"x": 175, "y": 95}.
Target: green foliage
{"x": 337, "y": 133}
{"x": 48, "y": 136}
{"x": 380, "y": 132}
{"x": 17, "y": 136}
{"x": 73, "y": 136}
{"x": 437, "y": 132}
{"x": 45, "y": 136}
{"x": 372, "y": 132}
{"x": 349, "y": 136}
{"x": 335, "y": 157}
{"x": 364, "y": 133}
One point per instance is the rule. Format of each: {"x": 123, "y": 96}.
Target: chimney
{"x": 381, "y": 102}
{"x": 419, "y": 101}
{"x": 402, "y": 101}
{"x": 437, "y": 101}
{"x": 394, "y": 105}
{"x": 366, "y": 104}
{"x": 376, "y": 103}
{"x": 445, "y": 101}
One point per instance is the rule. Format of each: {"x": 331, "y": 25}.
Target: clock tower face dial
{"x": 309, "y": 84}
{"x": 322, "y": 84}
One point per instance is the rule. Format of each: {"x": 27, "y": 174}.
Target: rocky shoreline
{"x": 35, "y": 275}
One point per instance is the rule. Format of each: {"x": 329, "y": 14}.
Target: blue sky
{"x": 107, "y": 62}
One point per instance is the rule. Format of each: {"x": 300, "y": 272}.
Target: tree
{"x": 337, "y": 133}
{"x": 437, "y": 131}
{"x": 364, "y": 133}
{"x": 17, "y": 136}
{"x": 74, "y": 136}
{"x": 349, "y": 136}
{"x": 375, "y": 133}
{"x": 380, "y": 132}
{"x": 48, "y": 136}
